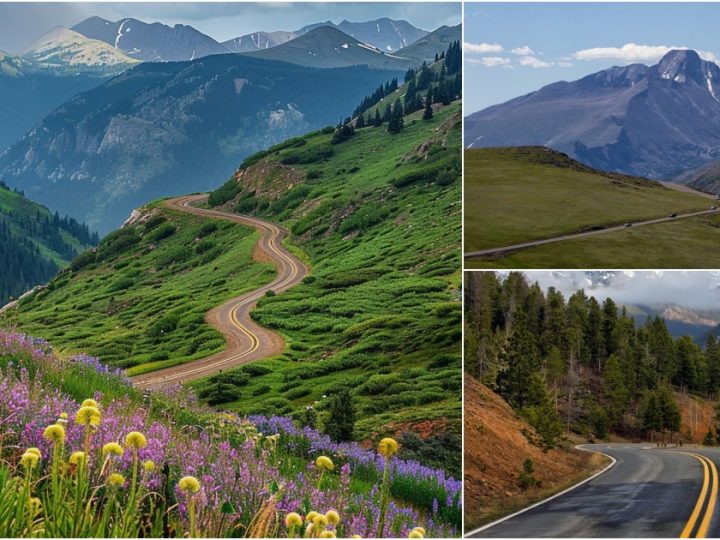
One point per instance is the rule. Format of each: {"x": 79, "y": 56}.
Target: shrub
{"x": 163, "y": 232}
{"x": 224, "y": 193}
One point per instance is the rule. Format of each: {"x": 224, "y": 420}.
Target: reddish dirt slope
{"x": 697, "y": 415}
{"x": 495, "y": 449}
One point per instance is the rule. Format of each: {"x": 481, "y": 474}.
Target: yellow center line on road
{"x": 710, "y": 483}
{"x": 705, "y": 525}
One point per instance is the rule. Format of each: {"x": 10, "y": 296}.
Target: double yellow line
{"x": 706, "y": 500}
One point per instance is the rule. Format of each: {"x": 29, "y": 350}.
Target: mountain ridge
{"x": 649, "y": 121}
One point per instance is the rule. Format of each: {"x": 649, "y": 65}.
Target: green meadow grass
{"x": 686, "y": 243}
{"x": 380, "y": 312}
{"x": 139, "y": 302}
{"x": 511, "y": 198}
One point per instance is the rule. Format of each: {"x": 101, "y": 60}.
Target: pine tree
{"x": 428, "y": 114}
{"x": 614, "y": 390}
{"x": 340, "y": 422}
{"x": 377, "y": 122}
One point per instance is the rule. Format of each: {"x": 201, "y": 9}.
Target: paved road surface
{"x": 649, "y": 492}
{"x": 246, "y": 340}
{"x": 506, "y": 249}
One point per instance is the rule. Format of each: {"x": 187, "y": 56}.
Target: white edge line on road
{"x": 613, "y": 461}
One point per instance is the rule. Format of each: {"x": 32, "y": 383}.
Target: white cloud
{"x": 523, "y": 51}
{"x": 632, "y": 52}
{"x": 483, "y": 48}
{"x": 491, "y": 61}
{"x": 565, "y": 64}
{"x": 531, "y": 61}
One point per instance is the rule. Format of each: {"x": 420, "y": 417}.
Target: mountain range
{"x": 385, "y": 34}
{"x": 159, "y": 42}
{"x": 173, "y": 127}
{"x": 655, "y": 121}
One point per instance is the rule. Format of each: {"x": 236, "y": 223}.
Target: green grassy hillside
{"x": 140, "y": 298}
{"x": 687, "y": 243}
{"x": 34, "y": 243}
{"x": 515, "y": 195}
{"x": 379, "y": 217}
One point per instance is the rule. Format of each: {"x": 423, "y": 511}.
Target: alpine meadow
{"x": 270, "y": 344}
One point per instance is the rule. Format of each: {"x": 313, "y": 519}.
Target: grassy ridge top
{"x": 515, "y": 195}
{"x": 379, "y": 217}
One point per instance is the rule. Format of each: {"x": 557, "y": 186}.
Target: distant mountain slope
{"x": 155, "y": 42}
{"x": 705, "y": 178}
{"x": 325, "y": 47}
{"x": 61, "y": 48}
{"x": 34, "y": 243}
{"x": 29, "y": 92}
{"x": 385, "y": 34}
{"x": 652, "y": 121}
{"x": 258, "y": 41}
{"x": 171, "y": 128}
{"x": 425, "y": 48}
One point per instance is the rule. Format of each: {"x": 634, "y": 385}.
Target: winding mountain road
{"x": 648, "y": 492}
{"x": 507, "y": 249}
{"x": 246, "y": 340}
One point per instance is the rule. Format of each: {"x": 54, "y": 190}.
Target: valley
{"x": 378, "y": 315}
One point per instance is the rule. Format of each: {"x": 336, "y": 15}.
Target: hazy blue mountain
{"x": 173, "y": 127}
{"x": 155, "y": 42}
{"x": 258, "y": 41}
{"x": 326, "y": 46}
{"x": 385, "y": 34}
{"x": 655, "y": 121}
{"x": 29, "y": 92}
{"x": 425, "y": 48}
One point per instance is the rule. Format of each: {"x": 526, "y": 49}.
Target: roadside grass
{"x": 511, "y": 199}
{"x": 686, "y": 243}
{"x": 380, "y": 313}
{"x": 139, "y": 302}
{"x": 496, "y": 508}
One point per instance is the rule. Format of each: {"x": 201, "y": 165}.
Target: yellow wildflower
{"x": 415, "y": 534}
{"x": 387, "y": 447}
{"x": 77, "y": 458}
{"x": 420, "y": 530}
{"x": 149, "y": 466}
{"x": 88, "y": 415}
{"x": 311, "y": 516}
{"x": 189, "y": 484}
{"x": 29, "y": 460}
{"x": 333, "y": 517}
{"x": 320, "y": 521}
{"x": 35, "y": 451}
{"x": 293, "y": 520}
{"x": 116, "y": 480}
{"x": 135, "y": 440}
{"x": 112, "y": 448}
{"x": 327, "y": 534}
{"x": 54, "y": 433}
{"x": 356, "y": 536}
{"x": 324, "y": 462}
{"x": 89, "y": 403}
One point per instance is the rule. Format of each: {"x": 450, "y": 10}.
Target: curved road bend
{"x": 506, "y": 249}
{"x": 245, "y": 340}
{"x": 649, "y": 492}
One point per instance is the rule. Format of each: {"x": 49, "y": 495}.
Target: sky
{"x": 512, "y": 49}
{"x": 691, "y": 289}
{"x": 23, "y": 22}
